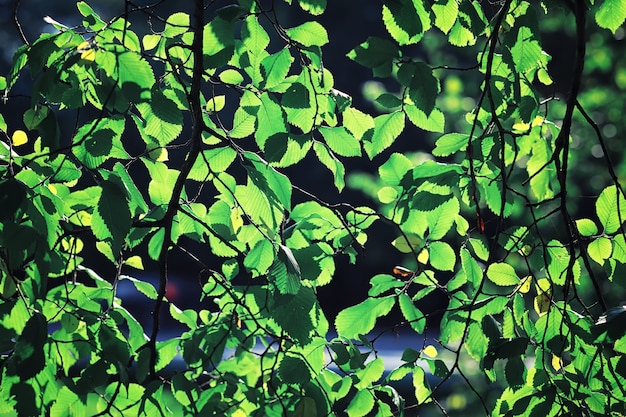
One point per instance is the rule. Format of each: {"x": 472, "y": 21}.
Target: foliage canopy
{"x": 184, "y": 139}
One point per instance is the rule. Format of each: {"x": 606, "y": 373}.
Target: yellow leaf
{"x": 239, "y": 413}
{"x": 430, "y": 350}
{"x": 215, "y": 104}
{"x": 134, "y": 261}
{"x": 87, "y": 53}
{"x": 236, "y": 219}
{"x": 19, "y": 138}
{"x": 557, "y": 363}
{"x": 72, "y": 245}
{"x": 544, "y": 286}
{"x": 522, "y": 127}
{"x": 525, "y": 284}
{"x": 423, "y": 256}
{"x": 542, "y": 303}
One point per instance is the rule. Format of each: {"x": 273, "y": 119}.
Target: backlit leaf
{"x": 361, "y": 318}
{"x": 442, "y": 256}
{"x": 600, "y": 249}
{"x": 411, "y": 313}
{"x": 611, "y": 14}
{"x": 502, "y": 274}
{"x": 361, "y": 404}
{"x": 387, "y": 128}
{"x": 308, "y": 34}
{"x": 611, "y": 208}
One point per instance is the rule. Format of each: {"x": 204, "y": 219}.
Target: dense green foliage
{"x": 181, "y": 137}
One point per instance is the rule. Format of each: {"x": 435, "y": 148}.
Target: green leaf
{"x": 441, "y": 219}
{"x": 300, "y": 103}
{"x": 341, "y": 141}
{"x": 275, "y": 68}
{"x": 377, "y": 54}
{"x": 558, "y": 261}
{"x": 405, "y": 21}
{"x": 166, "y": 352}
{"x": 253, "y": 35}
{"x": 212, "y": 161}
{"x": 423, "y": 86}
{"x": 295, "y": 314}
{"x": 409, "y": 244}
{"x": 332, "y": 163}
{"x": 91, "y": 19}
{"x": 100, "y": 140}
{"x": 611, "y": 209}
{"x": 619, "y": 248}
{"x": 111, "y": 220}
{"x": 412, "y": 314}
{"x": 502, "y": 274}
{"x": 371, "y": 373}
{"x": 308, "y": 34}
{"x": 314, "y": 7}
{"x": 29, "y": 358}
{"x": 611, "y": 14}
{"x": 441, "y": 256}
{"x": 161, "y": 120}
{"x": 450, "y": 143}
{"x": 526, "y": 52}
{"x": 187, "y": 317}
{"x": 260, "y": 258}
{"x": 286, "y": 271}
{"x": 244, "y": 122}
{"x": 387, "y": 128}
{"x": 231, "y": 76}
{"x": 420, "y": 384}
{"x": 446, "y": 12}
{"x": 471, "y": 268}
{"x": 382, "y": 282}
{"x": 294, "y": 370}
{"x": 395, "y": 168}
{"x": 387, "y": 194}
{"x": 434, "y": 122}
{"x": 276, "y": 185}
{"x": 143, "y": 287}
{"x": 34, "y": 116}
{"x": 361, "y": 318}
{"x": 600, "y": 249}
{"x": 162, "y": 180}
{"x": 215, "y": 104}
{"x": 270, "y": 120}
{"x": 176, "y": 24}
{"x": 357, "y": 122}
{"x": 283, "y": 150}
{"x": 361, "y": 404}
{"x": 586, "y": 227}
{"x": 218, "y": 42}
{"x": 133, "y": 74}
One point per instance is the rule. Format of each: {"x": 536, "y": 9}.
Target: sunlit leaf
{"x": 308, "y": 34}
{"x": 19, "y": 138}
{"x": 502, "y": 274}
{"x": 361, "y": 318}
{"x": 611, "y": 14}
{"x": 611, "y": 208}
